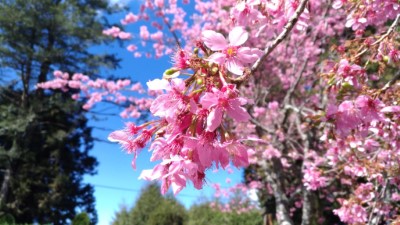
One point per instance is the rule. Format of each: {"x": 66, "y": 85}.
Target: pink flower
{"x": 237, "y": 151}
{"x": 313, "y": 180}
{"x": 231, "y": 55}
{"x": 144, "y": 33}
{"x": 337, "y": 4}
{"x": 391, "y": 109}
{"x": 356, "y": 22}
{"x": 244, "y": 13}
{"x": 351, "y": 212}
{"x": 222, "y": 101}
{"x": 204, "y": 151}
{"x": 347, "y": 118}
{"x": 130, "y": 18}
{"x": 167, "y": 105}
{"x": 369, "y": 108}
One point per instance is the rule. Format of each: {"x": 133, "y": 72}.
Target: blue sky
{"x": 116, "y": 183}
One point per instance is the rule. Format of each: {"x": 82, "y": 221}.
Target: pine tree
{"x": 152, "y": 208}
{"x": 45, "y": 149}
{"x": 44, "y": 137}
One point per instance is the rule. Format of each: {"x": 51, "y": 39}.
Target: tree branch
{"x": 289, "y": 26}
{"x": 286, "y": 30}
{"x": 165, "y": 20}
{"x": 273, "y": 177}
{"x": 391, "y": 82}
{"x": 390, "y": 30}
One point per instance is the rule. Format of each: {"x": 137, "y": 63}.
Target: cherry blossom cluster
{"x": 189, "y": 134}
{"x": 166, "y": 17}
{"x": 239, "y": 198}
{"x": 170, "y": 17}
{"x": 368, "y": 12}
{"x": 101, "y": 90}
{"x": 363, "y": 142}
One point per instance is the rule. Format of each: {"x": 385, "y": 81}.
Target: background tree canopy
{"x": 44, "y": 137}
{"x": 152, "y": 208}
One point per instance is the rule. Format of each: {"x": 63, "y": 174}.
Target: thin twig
{"x": 390, "y": 30}
{"x": 257, "y": 123}
{"x": 391, "y": 82}
{"x": 165, "y": 20}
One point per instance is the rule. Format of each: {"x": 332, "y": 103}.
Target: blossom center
{"x": 223, "y": 102}
{"x": 231, "y": 52}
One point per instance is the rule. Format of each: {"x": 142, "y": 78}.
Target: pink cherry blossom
{"x": 231, "y": 55}
{"x": 313, "y": 179}
{"x": 222, "y": 101}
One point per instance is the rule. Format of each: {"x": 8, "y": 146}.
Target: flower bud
{"x": 214, "y": 70}
{"x": 170, "y": 71}
{"x": 385, "y": 59}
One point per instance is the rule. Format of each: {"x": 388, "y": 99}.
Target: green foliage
{"x": 122, "y": 217}
{"x": 81, "y": 219}
{"x": 46, "y": 34}
{"x": 6, "y": 219}
{"x": 169, "y": 212}
{"x": 44, "y": 148}
{"x": 152, "y": 208}
{"x": 203, "y": 214}
{"x": 150, "y": 198}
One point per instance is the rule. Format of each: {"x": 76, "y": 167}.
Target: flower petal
{"x": 215, "y": 41}
{"x": 214, "y": 119}
{"x": 217, "y": 57}
{"x": 209, "y": 99}
{"x": 234, "y": 66}
{"x": 391, "y": 109}
{"x": 158, "y": 84}
{"x": 238, "y": 36}
{"x": 119, "y": 136}
{"x": 237, "y": 112}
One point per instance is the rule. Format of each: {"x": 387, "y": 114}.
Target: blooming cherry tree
{"x": 304, "y": 94}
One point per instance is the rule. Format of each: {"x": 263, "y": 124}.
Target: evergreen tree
{"x": 81, "y": 219}
{"x": 203, "y": 214}
{"x": 45, "y": 149}
{"x": 122, "y": 216}
{"x": 169, "y": 212}
{"x": 44, "y": 139}
{"x": 150, "y": 198}
{"x": 152, "y": 208}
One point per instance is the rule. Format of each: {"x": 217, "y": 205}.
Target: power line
{"x": 135, "y": 190}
